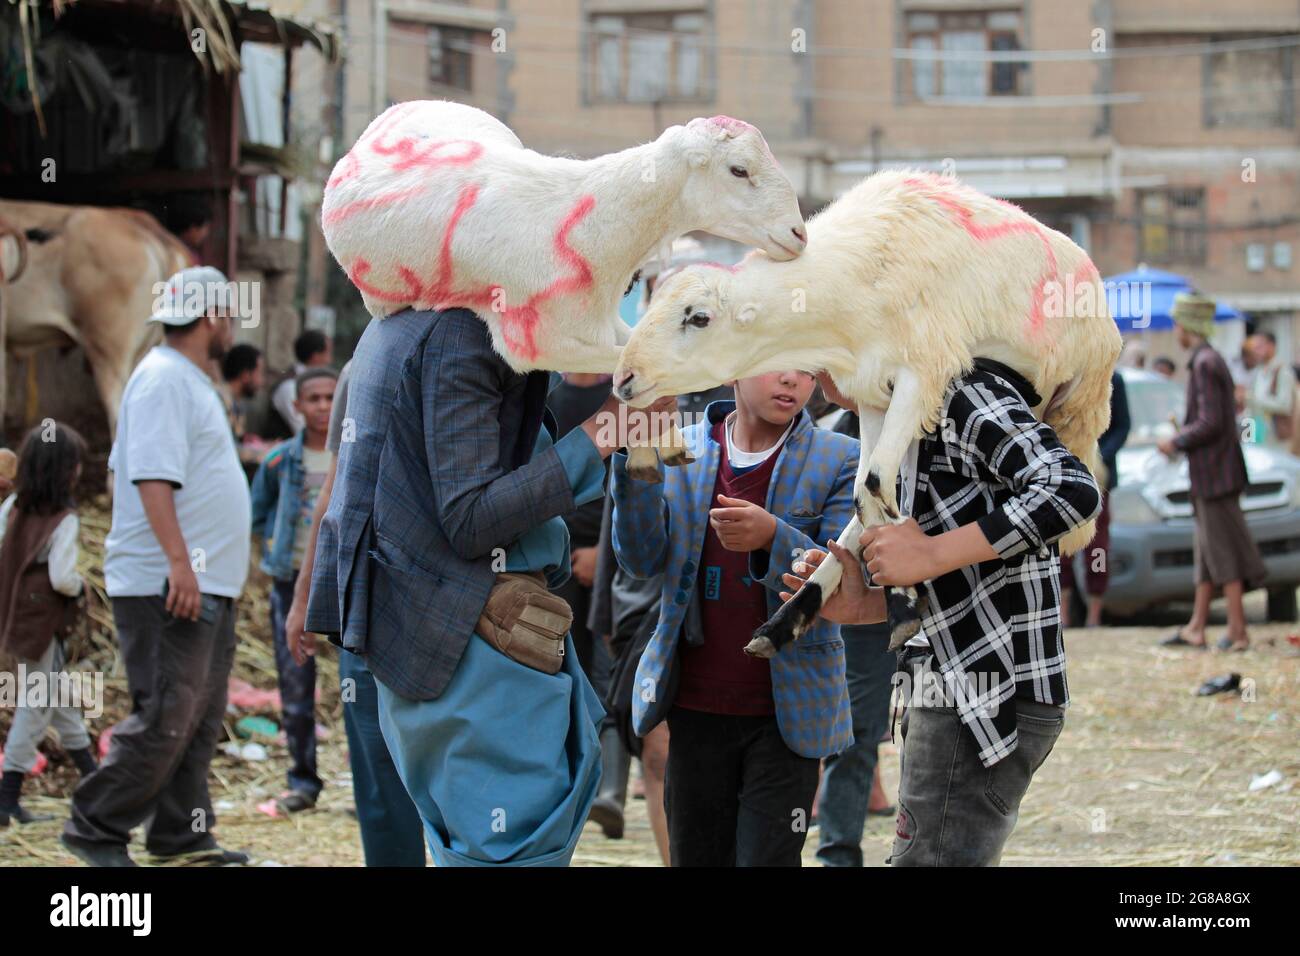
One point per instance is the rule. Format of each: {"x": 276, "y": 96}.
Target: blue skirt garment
{"x": 505, "y": 764}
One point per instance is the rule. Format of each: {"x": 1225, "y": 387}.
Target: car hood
{"x": 1165, "y": 483}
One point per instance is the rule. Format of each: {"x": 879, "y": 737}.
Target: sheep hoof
{"x": 904, "y": 616}
{"x": 788, "y": 624}
{"x": 676, "y": 457}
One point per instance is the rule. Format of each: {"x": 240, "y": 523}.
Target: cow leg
{"x": 792, "y": 619}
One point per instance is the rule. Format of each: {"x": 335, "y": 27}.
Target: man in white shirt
{"x": 1272, "y": 395}
{"x": 176, "y": 559}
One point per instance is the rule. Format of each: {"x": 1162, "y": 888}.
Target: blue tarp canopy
{"x": 1142, "y": 300}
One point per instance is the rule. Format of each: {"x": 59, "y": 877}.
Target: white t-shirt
{"x": 748, "y": 459}
{"x": 173, "y": 427}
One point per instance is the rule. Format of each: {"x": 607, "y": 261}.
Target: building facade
{"x": 1152, "y": 131}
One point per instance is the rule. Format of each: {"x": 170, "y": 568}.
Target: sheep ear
{"x": 698, "y": 158}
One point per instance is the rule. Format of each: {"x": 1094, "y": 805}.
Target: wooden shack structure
{"x": 138, "y": 103}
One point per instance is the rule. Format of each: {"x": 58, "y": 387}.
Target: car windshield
{"x": 1155, "y": 408}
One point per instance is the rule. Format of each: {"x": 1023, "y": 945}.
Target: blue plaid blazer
{"x": 660, "y": 528}
{"x": 437, "y": 481}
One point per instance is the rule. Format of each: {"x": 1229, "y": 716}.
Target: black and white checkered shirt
{"x": 995, "y": 627}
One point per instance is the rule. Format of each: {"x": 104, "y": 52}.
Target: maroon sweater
{"x": 719, "y": 677}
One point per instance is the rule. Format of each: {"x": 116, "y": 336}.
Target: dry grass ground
{"x": 1145, "y": 773}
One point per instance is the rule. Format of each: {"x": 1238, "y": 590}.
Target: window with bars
{"x": 647, "y": 57}
{"x": 1248, "y": 89}
{"x": 974, "y": 32}
{"x": 1171, "y": 226}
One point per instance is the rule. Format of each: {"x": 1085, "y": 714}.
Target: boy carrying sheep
{"x": 746, "y": 733}
{"x": 990, "y": 494}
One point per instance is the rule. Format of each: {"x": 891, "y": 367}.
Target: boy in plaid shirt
{"x": 994, "y": 491}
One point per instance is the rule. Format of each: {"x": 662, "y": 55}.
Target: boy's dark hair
{"x": 1163, "y": 360}
{"x": 46, "y": 464}
{"x": 1268, "y": 335}
{"x": 187, "y": 210}
{"x": 319, "y": 371}
{"x": 308, "y": 343}
{"x": 240, "y": 359}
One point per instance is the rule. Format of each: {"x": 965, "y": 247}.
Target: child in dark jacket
{"x": 38, "y": 587}
{"x": 745, "y": 733}
{"x": 284, "y": 498}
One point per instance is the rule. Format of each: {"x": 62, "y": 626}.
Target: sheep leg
{"x": 875, "y": 496}
{"x": 792, "y": 619}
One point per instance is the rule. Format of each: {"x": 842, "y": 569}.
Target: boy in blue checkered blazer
{"x": 746, "y": 733}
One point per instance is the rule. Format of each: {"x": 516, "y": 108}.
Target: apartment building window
{"x": 1171, "y": 225}
{"x": 1249, "y": 89}
{"x": 451, "y": 58}
{"x": 647, "y": 57}
{"x": 977, "y": 32}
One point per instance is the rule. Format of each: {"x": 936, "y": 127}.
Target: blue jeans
{"x": 391, "y": 831}
{"x": 297, "y": 696}
{"x": 846, "y": 777}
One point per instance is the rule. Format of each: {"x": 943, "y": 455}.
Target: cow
{"x": 84, "y": 275}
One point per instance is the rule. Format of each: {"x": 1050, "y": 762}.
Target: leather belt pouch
{"x": 526, "y": 622}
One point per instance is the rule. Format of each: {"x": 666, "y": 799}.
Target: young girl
{"x": 38, "y": 583}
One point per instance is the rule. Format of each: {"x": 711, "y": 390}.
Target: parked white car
{"x": 1150, "y": 557}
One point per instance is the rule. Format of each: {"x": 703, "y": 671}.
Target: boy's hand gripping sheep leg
{"x": 885, "y": 439}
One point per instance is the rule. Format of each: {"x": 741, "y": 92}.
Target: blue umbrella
{"x": 1142, "y": 300}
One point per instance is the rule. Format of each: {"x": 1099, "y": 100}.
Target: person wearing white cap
{"x": 176, "y": 559}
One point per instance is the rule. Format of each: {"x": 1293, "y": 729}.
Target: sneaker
{"x": 97, "y": 854}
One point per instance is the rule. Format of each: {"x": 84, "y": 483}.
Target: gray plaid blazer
{"x": 434, "y": 479}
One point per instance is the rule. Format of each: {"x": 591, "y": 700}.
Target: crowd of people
{"x": 516, "y": 618}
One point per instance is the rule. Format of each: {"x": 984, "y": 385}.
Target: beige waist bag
{"x": 526, "y": 622}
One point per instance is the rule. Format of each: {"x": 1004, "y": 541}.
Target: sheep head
{"x": 735, "y": 188}
{"x": 696, "y": 334}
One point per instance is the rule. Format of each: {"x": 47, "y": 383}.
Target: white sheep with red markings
{"x": 906, "y": 280}
{"x": 439, "y": 205}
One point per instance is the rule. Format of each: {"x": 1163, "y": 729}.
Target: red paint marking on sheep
{"x": 428, "y": 154}
{"x": 361, "y": 268}
{"x": 374, "y": 202}
{"x": 347, "y": 168}
{"x": 519, "y": 325}
{"x": 441, "y": 289}
{"x": 940, "y": 190}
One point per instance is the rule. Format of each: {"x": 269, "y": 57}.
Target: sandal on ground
{"x": 1228, "y": 645}
{"x": 1177, "y": 640}
{"x": 209, "y": 856}
{"x": 883, "y": 812}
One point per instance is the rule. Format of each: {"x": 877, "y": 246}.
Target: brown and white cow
{"x": 88, "y": 280}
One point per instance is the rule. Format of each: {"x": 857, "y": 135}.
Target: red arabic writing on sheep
{"x": 518, "y": 322}
{"x": 941, "y": 190}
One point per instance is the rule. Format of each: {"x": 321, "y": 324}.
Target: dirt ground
{"x": 1145, "y": 773}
